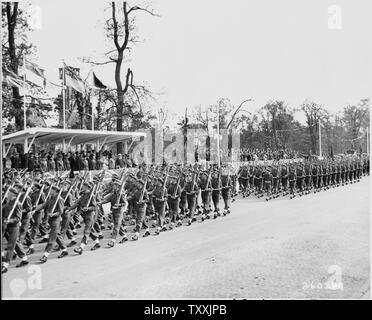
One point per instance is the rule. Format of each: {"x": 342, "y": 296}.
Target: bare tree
{"x": 120, "y": 28}
{"x": 314, "y": 114}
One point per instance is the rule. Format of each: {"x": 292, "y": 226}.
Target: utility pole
{"x": 320, "y": 140}
{"x": 218, "y": 135}
{"x": 367, "y": 140}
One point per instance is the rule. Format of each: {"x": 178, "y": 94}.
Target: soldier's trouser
{"x": 243, "y": 183}
{"x": 183, "y": 202}
{"x": 191, "y": 203}
{"x": 307, "y": 183}
{"x": 267, "y": 187}
{"x": 233, "y": 179}
{"x": 206, "y": 195}
{"x": 216, "y": 200}
{"x": 226, "y": 197}
{"x": 320, "y": 182}
{"x": 35, "y": 226}
{"x": 89, "y": 219}
{"x": 315, "y": 181}
{"x": 55, "y": 226}
{"x": 251, "y": 182}
{"x": 140, "y": 217}
{"x": 291, "y": 186}
{"x": 300, "y": 182}
{"x": 65, "y": 222}
{"x": 117, "y": 217}
{"x": 11, "y": 235}
{"x": 173, "y": 209}
{"x": 275, "y": 185}
{"x": 259, "y": 184}
{"x": 25, "y": 223}
{"x": 285, "y": 183}
{"x": 160, "y": 209}
{"x": 325, "y": 177}
{"x": 333, "y": 178}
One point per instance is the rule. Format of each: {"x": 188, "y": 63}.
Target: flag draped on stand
{"x": 73, "y": 80}
{"x": 12, "y": 79}
{"x": 35, "y": 74}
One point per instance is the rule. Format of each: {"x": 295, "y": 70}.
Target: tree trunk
{"x": 120, "y": 94}
{"x": 12, "y": 22}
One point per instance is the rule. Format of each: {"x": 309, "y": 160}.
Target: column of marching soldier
{"x": 54, "y": 207}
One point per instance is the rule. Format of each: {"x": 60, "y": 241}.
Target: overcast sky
{"x": 201, "y": 50}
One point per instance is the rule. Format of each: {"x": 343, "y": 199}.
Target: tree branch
{"x": 143, "y": 9}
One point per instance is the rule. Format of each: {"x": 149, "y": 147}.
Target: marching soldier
{"x": 292, "y": 177}
{"x": 86, "y": 205}
{"x": 118, "y": 201}
{"x": 140, "y": 198}
{"x": 174, "y": 193}
{"x": 53, "y": 209}
{"x": 11, "y": 214}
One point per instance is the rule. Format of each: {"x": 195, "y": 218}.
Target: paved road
{"x": 280, "y": 249}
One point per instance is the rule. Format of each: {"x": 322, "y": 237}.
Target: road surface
{"x": 280, "y": 249}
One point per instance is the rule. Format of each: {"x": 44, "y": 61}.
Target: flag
{"x": 34, "y": 74}
{"x": 97, "y": 83}
{"x": 12, "y": 79}
{"x": 73, "y": 80}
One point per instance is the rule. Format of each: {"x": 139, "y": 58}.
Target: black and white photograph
{"x": 186, "y": 150}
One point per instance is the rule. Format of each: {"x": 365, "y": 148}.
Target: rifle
{"x": 121, "y": 191}
{"x": 208, "y": 180}
{"x": 49, "y": 191}
{"x": 40, "y": 193}
{"x": 91, "y": 196}
{"x": 55, "y": 204}
{"x": 195, "y": 177}
{"x": 143, "y": 190}
{"x": 14, "y": 206}
{"x": 69, "y": 190}
{"x": 178, "y": 183}
{"x": 164, "y": 186}
{"x": 7, "y": 191}
{"x": 26, "y": 194}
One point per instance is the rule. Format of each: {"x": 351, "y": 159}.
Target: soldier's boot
{"x": 136, "y": 236}
{"x": 164, "y": 228}
{"x": 189, "y": 222}
{"x": 22, "y": 263}
{"x": 72, "y": 243}
{"x": 171, "y": 227}
{"x": 147, "y": 233}
{"x": 111, "y": 243}
{"x": 79, "y": 250}
{"x": 30, "y": 251}
{"x": 124, "y": 239}
{"x": 43, "y": 259}
{"x": 179, "y": 224}
{"x": 4, "y": 267}
{"x": 157, "y": 231}
{"x": 96, "y": 246}
{"x": 63, "y": 254}
{"x": 122, "y": 231}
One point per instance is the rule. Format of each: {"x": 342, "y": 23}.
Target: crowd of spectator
{"x": 254, "y": 154}
{"x": 80, "y": 160}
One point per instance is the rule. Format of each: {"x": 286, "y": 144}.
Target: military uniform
{"x": 11, "y": 214}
